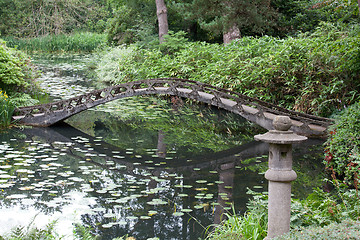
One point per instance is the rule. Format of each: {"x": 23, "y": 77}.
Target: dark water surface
{"x": 150, "y": 167}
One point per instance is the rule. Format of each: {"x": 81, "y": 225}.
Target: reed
{"x": 6, "y": 110}
{"x": 78, "y": 42}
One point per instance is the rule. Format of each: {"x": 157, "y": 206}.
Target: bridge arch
{"x": 252, "y": 109}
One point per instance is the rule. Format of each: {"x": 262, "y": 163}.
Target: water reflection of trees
{"x": 124, "y": 175}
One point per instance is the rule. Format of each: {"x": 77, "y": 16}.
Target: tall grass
{"x": 252, "y": 226}
{"x": 78, "y": 42}
{"x": 6, "y": 110}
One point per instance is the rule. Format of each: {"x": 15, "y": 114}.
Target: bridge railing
{"x": 182, "y": 87}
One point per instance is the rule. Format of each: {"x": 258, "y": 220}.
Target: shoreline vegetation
{"x": 315, "y": 68}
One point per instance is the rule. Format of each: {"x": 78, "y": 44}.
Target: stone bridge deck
{"x": 252, "y": 109}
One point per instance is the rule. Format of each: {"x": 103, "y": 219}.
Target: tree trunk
{"x": 161, "y": 12}
{"x": 233, "y": 33}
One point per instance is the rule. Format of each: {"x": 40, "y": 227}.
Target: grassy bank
{"x": 78, "y": 42}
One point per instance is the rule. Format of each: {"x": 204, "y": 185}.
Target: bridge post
{"x": 280, "y": 174}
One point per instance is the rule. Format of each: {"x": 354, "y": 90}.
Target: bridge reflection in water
{"x": 224, "y": 164}
{"x": 252, "y": 109}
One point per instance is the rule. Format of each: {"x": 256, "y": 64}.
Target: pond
{"x": 147, "y": 167}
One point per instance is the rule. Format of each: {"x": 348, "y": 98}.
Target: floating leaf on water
{"x": 258, "y": 187}
{"x": 121, "y": 222}
{"x": 109, "y": 215}
{"x": 5, "y": 176}
{"x": 145, "y": 217}
{"x": 131, "y": 217}
{"x": 2, "y": 186}
{"x": 108, "y": 225}
{"x": 183, "y": 195}
{"x": 187, "y": 210}
{"x": 178, "y": 214}
{"x": 152, "y": 212}
{"x": 201, "y": 189}
{"x": 16, "y": 196}
{"x": 196, "y": 169}
{"x": 26, "y": 188}
{"x": 99, "y": 209}
{"x": 228, "y": 187}
{"x": 123, "y": 200}
{"x": 219, "y": 182}
{"x": 101, "y": 191}
{"x": 201, "y": 181}
{"x": 213, "y": 172}
{"x": 198, "y": 206}
{"x": 76, "y": 179}
{"x": 6, "y": 166}
{"x": 157, "y": 201}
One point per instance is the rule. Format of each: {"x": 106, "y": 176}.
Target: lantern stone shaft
{"x": 280, "y": 174}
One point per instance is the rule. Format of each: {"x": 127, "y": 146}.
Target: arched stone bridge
{"x": 252, "y": 109}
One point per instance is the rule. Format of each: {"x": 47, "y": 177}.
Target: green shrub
{"x": 17, "y": 74}
{"x": 342, "y": 147}
{"x": 316, "y": 73}
{"x": 334, "y": 231}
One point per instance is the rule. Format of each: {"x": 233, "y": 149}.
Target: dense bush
{"x": 16, "y": 76}
{"x": 342, "y": 147}
{"x": 318, "y": 210}
{"x": 334, "y": 231}
{"x": 315, "y": 73}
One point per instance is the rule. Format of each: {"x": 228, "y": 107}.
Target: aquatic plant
{"x": 6, "y": 110}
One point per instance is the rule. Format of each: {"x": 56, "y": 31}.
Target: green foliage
{"x": 316, "y": 73}
{"x": 218, "y": 17}
{"x": 318, "y": 210}
{"x": 173, "y": 42}
{"x": 32, "y": 18}
{"x": 335, "y": 231}
{"x": 6, "y": 110}
{"x": 84, "y": 233}
{"x": 32, "y": 233}
{"x": 342, "y": 147}
{"x": 17, "y": 74}
{"x": 321, "y": 208}
{"x": 77, "y": 42}
{"x": 251, "y": 225}
{"x": 306, "y": 16}
{"x": 133, "y": 21}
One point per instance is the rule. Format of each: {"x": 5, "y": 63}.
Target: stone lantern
{"x": 280, "y": 174}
